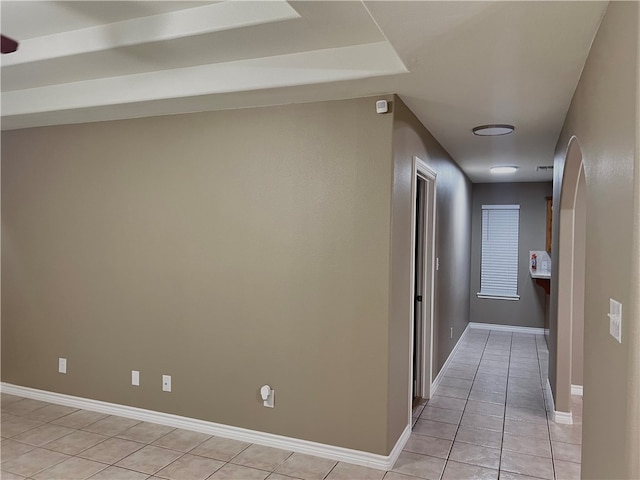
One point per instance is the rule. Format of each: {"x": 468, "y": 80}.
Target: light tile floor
{"x": 486, "y": 421}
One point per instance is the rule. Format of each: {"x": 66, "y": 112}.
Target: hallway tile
{"x": 566, "y": 433}
{"x": 191, "y": 467}
{"x": 218, "y": 448}
{"x": 477, "y": 436}
{"x": 447, "y": 402}
{"x": 567, "y": 470}
{"x": 524, "y": 444}
{"x": 149, "y": 459}
{"x": 425, "y": 445}
{"x": 538, "y": 430}
{"x": 487, "y": 422}
{"x": 458, "y": 471}
{"x": 441, "y": 415}
{"x": 453, "y": 392}
{"x": 527, "y": 464}
{"x": 306, "y": 467}
{"x": 421, "y": 466}
{"x": 475, "y": 455}
{"x": 264, "y": 458}
{"x": 74, "y": 468}
{"x": 346, "y": 471}
{"x": 181, "y": 440}
{"x": 566, "y": 452}
{"x": 435, "y": 429}
{"x": 484, "y": 408}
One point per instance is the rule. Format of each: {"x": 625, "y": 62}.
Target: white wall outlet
{"x": 135, "y": 377}
{"x": 62, "y": 365}
{"x": 166, "y": 383}
{"x": 268, "y": 395}
{"x": 615, "y": 319}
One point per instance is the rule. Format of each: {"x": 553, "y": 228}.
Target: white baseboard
{"x": 341, "y": 454}
{"x": 564, "y": 418}
{"x": 506, "y": 328}
{"x": 576, "y": 390}
{"x": 436, "y": 383}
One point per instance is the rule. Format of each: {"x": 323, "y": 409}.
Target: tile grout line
{"x": 504, "y": 415}
{"x": 464, "y": 410}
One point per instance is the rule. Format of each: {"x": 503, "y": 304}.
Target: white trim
{"x": 341, "y": 454}
{"x": 576, "y": 390}
{"x": 498, "y": 297}
{"x": 421, "y": 169}
{"x": 506, "y": 328}
{"x": 436, "y": 382}
{"x": 564, "y": 418}
{"x": 500, "y": 207}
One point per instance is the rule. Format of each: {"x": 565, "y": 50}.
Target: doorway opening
{"x": 571, "y": 280}
{"x": 423, "y": 279}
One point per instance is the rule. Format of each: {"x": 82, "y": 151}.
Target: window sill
{"x": 498, "y": 297}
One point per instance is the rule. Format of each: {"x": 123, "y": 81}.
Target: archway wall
{"x": 604, "y": 119}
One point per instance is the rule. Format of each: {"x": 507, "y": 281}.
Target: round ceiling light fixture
{"x": 503, "y": 169}
{"x": 493, "y": 130}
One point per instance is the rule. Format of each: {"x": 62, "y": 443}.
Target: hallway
{"x": 488, "y": 416}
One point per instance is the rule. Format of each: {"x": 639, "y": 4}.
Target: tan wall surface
{"x": 528, "y": 311}
{"x": 603, "y": 117}
{"x": 453, "y": 245}
{"x": 227, "y": 249}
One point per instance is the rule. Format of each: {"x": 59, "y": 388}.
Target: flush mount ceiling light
{"x": 503, "y": 169}
{"x": 493, "y": 130}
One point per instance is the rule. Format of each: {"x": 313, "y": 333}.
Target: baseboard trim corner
{"x": 436, "y": 383}
{"x": 506, "y": 328}
{"x": 341, "y": 454}
{"x": 564, "y": 418}
{"x": 576, "y": 390}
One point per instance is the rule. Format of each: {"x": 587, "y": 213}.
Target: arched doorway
{"x": 571, "y": 281}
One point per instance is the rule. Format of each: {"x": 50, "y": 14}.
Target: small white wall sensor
{"x": 382, "y": 106}
{"x": 267, "y": 394}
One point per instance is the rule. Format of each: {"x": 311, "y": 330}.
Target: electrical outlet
{"x": 135, "y": 377}
{"x": 166, "y": 383}
{"x": 62, "y": 365}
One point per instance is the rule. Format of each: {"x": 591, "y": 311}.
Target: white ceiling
{"x": 455, "y": 64}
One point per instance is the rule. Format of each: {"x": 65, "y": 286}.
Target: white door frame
{"x": 422, "y": 170}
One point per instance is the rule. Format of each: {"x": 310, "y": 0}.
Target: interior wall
{"x": 579, "y": 258}
{"x": 227, "y": 249}
{"x": 529, "y": 310}
{"x": 603, "y": 118}
{"x": 453, "y": 247}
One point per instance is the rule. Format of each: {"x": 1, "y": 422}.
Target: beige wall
{"x": 227, "y": 249}
{"x": 603, "y": 117}
{"x": 453, "y": 244}
{"x": 528, "y": 311}
{"x": 578, "y": 281}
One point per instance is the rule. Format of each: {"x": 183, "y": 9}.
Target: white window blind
{"x": 499, "y": 267}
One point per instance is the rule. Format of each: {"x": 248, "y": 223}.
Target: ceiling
{"x": 455, "y": 64}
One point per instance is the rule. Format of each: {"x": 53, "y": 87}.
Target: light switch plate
{"x": 615, "y": 319}
{"x": 135, "y": 377}
{"x": 62, "y": 365}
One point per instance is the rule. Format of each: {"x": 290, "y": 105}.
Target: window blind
{"x": 499, "y": 267}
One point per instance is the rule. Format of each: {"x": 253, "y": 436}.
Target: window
{"x": 499, "y": 266}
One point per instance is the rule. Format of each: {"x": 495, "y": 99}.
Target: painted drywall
{"x": 578, "y": 280}
{"x": 603, "y": 123}
{"x": 528, "y": 311}
{"x": 453, "y": 247}
{"x": 227, "y": 249}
